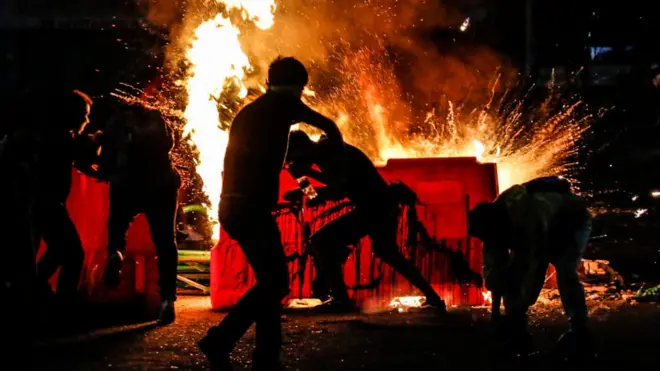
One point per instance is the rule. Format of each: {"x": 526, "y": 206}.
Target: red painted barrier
{"x": 447, "y": 188}
{"x": 88, "y": 205}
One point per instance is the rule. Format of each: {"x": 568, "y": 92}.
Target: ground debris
{"x": 601, "y": 298}
{"x": 647, "y": 294}
{"x": 368, "y": 342}
{"x": 599, "y": 272}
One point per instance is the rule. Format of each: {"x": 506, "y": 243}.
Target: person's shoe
{"x": 112, "y": 272}
{"x": 218, "y": 360}
{"x": 167, "y": 314}
{"x": 437, "y": 305}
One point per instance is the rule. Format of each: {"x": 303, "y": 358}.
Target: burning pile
{"x": 443, "y": 106}
{"x": 406, "y": 303}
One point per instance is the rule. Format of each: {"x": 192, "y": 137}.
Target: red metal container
{"x": 88, "y": 205}
{"x": 447, "y": 188}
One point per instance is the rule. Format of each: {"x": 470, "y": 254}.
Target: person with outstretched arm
{"x": 258, "y": 142}
{"x": 375, "y": 215}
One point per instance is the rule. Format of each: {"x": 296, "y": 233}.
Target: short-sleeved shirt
{"x": 258, "y": 141}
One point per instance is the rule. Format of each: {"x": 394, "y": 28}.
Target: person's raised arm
{"x": 298, "y": 170}
{"x": 317, "y": 120}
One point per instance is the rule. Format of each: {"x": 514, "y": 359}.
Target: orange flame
{"x": 218, "y": 63}
{"x": 374, "y": 117}
{"x": 372, "y": 111}
{"x": 488, "y": 297}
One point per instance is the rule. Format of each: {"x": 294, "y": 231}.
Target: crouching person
{"x": 525, "y": 229}
{"x": 374, "y": 215}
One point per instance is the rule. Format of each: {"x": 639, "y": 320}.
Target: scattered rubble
{"x": 599, "y": 272}
{"x": 605, "y": 290}
{"x": 406, "y": 303}
{"x": 650, "y": 294}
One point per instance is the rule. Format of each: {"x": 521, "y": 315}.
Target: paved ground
{"x": 628, "y": 335}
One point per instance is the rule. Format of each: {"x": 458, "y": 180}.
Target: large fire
{"x": 370, "y": 108}
{"x": 217, "y": 62}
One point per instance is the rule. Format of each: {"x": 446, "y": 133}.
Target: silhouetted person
{"x": 524, "y": 230}
{"x": 18, "y": 158}
{"x": 258, "y": 141}
{"x": 375, "y": 214}
{"x": 136, "y": 159}
{"x": 57, "y": 127}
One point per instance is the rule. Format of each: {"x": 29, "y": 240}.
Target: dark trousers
{"x": 569, "y": 247}
{"x": 258, "y": 236}
{"x": 63, "y": 247}
{"x": 17, "y": 276}
{"x": 380, "y": 224}
{"x": 159, "y": 205}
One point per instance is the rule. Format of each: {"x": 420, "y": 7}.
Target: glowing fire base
{"x": 304, "y": 303}
{"x": 407, "y": 303}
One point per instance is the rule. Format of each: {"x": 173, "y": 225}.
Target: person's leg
{"x": 329, "y": 278}
{"x": 161, "y": 215}
{"x": 18, "y": 279}
{"x": 382, "y": 230}
{"x": 273, "y": 285}
{"x": 258, "y": 236}
{"x": 577, "y": 341}
{"x": 320, "y": 289}
{"x": 571, "y": 290}
{"x": 73, "y": 257}
{"x": 49, "y": 261}
{"x": 329, "y": 244}
{"x": 63, "y": 249}
{"x": 122, "y": 212}
{"x": 516, "y": 340}
{"x": 395, "y": 259}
